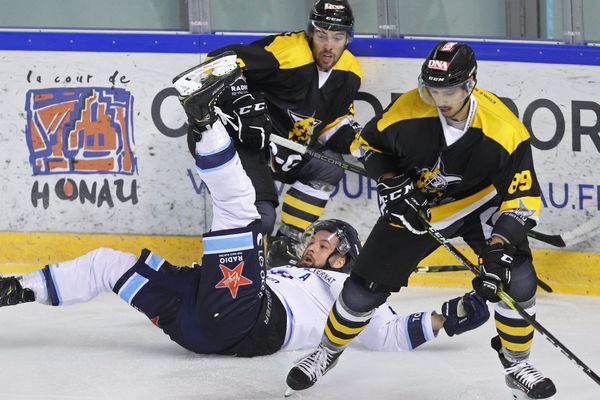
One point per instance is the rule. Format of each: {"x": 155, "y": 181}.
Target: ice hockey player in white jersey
{"x": 230, "y": 304}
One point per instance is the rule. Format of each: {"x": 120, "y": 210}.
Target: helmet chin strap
{"x": 460, "y": 109}
{"x": 467, "y": 99}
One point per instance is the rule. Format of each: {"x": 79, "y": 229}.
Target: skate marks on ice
{"x": 106, "y": 350}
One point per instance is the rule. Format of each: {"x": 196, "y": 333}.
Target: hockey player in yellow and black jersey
{"x": 457, "y": 155}
{"x": 308, "y": 80}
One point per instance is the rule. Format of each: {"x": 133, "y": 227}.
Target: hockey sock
{"x": 303, "y": 205}
{"x": 36, "y": 282}
{"x": 516, "y": 335}
{"x": 232, "y": 193}
{"x": 343, "y": 325}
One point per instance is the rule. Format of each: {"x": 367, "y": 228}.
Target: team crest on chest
{"x": 233, "y": 279}
{"x": 436, "y": 180}
{"x": 303, "y": 127}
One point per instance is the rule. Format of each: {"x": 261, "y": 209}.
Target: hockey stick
{"x": 512, "y": 304}
{"x": 579, "y": 234}
{"x": 457, "y": 254}
{"x": 554, "y": 240}
{"x": 452, "y": 268}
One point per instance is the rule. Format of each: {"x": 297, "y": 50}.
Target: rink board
{"x": 145, "y": 192}
{"x": 566, "y": 272}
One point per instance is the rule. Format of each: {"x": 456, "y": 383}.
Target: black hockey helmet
{"x": 449, "y": 65}
{"x": 349, "y": 241}
{"x": 331, "y": 15}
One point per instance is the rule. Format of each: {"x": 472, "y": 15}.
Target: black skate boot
{"x": 309, "y": 369}
{"x": 525, "y": 381}
{"x": 199, "y": 89}
{"x": 11, "y": 292}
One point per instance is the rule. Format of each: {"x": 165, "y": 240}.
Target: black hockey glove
{"x": 495, "y": 262}
{"x": 250, "y": 123}
{"x": 401, "y": 203}
{"x": 464, "y": 313}
{"x": 283, "y": 160}
{"x": 244, "y": 115}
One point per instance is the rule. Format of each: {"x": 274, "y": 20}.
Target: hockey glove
{"x": 401, "y": 203}
{"x": 495, "y": 263}
{"x": 249, "y": 122}
{"x": 283, "y": 160}
{"x": 464, "y": 313}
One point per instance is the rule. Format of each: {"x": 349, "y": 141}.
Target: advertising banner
{"x": 95, "y": 142}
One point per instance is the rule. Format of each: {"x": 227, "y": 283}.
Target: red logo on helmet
{"x": 329, "y": 6}
{"x": 437, "y": 64}
{"x": 448, "y": 46}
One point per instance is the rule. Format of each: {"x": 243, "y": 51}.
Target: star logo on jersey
{"x": 302, "y": 128}
{"x": 436, "y": 180}
{"x": 233, "y": 279}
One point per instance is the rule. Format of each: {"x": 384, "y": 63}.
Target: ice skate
{"x": 310, "y": 368}
{"x": 524, "y": 380}
{"x": 12, "y": 293}
{"x": 199, "y": 87}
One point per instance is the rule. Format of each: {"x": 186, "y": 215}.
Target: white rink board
{"x": 169, "y": 198}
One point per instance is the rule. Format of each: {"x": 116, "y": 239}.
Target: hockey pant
{"x": 206, "y": 309}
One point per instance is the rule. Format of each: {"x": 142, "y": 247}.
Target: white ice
{"x": 106, "y": 350}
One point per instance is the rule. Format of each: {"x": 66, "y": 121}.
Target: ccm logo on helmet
{"x": 329, "y": 6}
{"x": 437, "y": 64}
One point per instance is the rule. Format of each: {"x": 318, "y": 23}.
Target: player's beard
{"x": 306, "y": 261}
{"x": 327, "y": 59}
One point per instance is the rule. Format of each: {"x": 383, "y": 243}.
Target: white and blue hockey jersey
{"x": 308, "y": 294}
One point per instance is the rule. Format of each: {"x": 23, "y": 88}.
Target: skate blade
{"x": 289, "y": 392}
{"x": 518, "y": 395}
{"x": 190, "y": 81}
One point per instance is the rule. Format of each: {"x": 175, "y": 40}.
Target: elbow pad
{"x": 512, "y": 227}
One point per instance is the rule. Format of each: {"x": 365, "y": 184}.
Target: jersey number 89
{"x": 521, "y": 181}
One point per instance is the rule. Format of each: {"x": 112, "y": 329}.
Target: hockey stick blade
{"x": 554, "y": 240}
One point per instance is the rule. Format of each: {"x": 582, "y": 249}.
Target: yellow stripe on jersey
{"x": 514, "y": 331}
{"x": 497, "y": 122}
{"x": 348, "y": 62}
{"x": 448, "y": 210}
{"x": 303, "y": 206}
{"x": 332, "y": 124}
{"x": 532, "y": 203}
{"x": 294, "y": 221}
{"x": 291, "y": 51}
{"x": 407, "y": 106}
{"x": 516, "y": 346}
{"x": 360, "y": 143}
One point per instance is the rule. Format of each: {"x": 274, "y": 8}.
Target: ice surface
{"x": 106, "y": 350}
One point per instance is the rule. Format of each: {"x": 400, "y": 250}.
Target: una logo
{"x": 80, "y": 130}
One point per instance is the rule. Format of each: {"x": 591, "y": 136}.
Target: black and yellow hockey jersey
{"x": 282, "y": 66}
{"x": 491, "y": 164}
